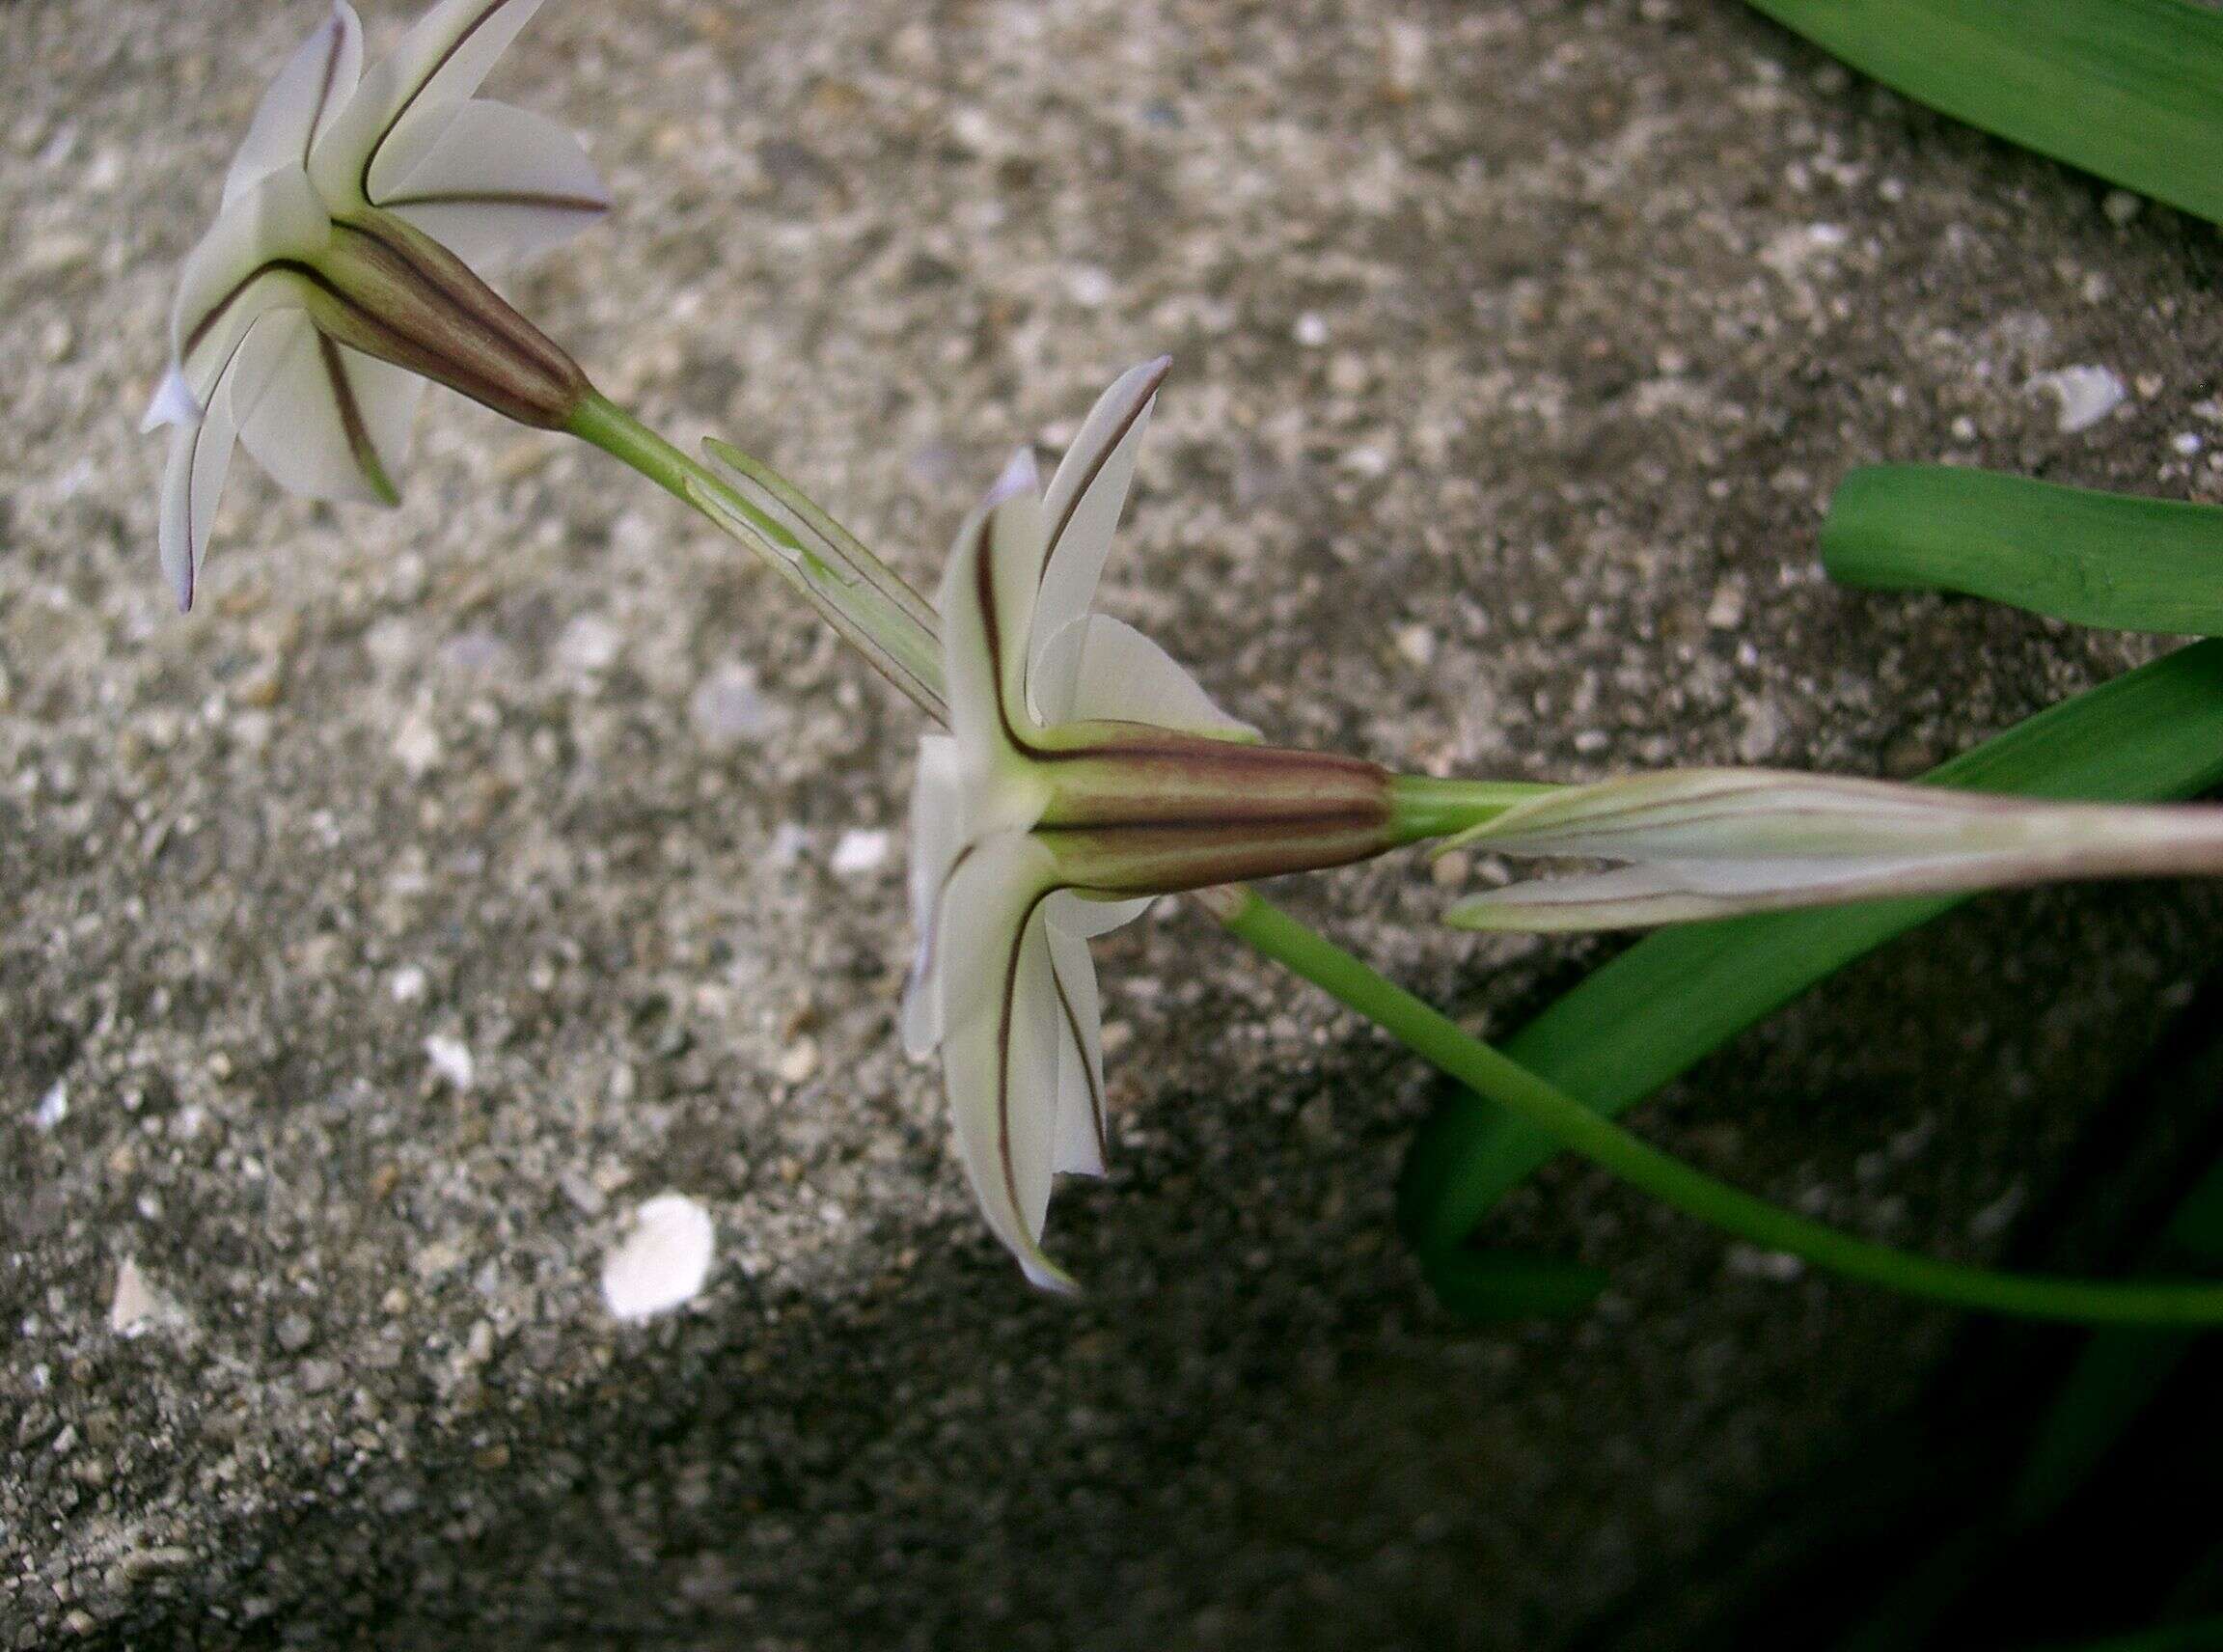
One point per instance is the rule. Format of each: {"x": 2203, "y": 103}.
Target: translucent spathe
{"x": 341, "y": 271}
{"x": 1705, "y": 843}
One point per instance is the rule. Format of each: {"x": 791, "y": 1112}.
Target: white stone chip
{"x": 53, "y": 1107}
{"x": 662, "y": 1261}
{"x": 451, "y": 1059}
{"x": 860, "y": 851}
{"x": 136, "y": 1304}
{"x": 2087, "y": 395}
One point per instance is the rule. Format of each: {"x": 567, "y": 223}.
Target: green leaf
{"x": 2124, "y": 88}
{"x": 1486, "y": 1287}
{"x": 2205, "y": 1634}
{"x": 2098, "y": 558}
{"x": 1675, "y": 997}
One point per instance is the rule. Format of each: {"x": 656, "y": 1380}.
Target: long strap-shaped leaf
{"x": 2098, "y": 558}
{"x": 1673, "y": 998}
{"x": 2125, "y": 89}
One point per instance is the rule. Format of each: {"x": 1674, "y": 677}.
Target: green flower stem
{"x": 2098, "y": 558}
{"x": 826, "y": 574}
{"x": 1671, "y": 1181}
{"x": 1423, "y": 807}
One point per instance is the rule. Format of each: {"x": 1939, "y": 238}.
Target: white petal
{"x": 192, "y": 487}
{"x": 937, "y": 836}
{"x": 1087, "y": 918}
{"x": 404, "y": 106}
{"x": 1083, "y": 1133}
{"x": 313, "y": 87}
{"x": 999, "y": 1066}
{"x": 226, "y": 285}
{"x": 1121, "y": 675}
{"x": 501, "y": 184}
{"x": 987, "y": 604}
{"x": 173, "y": 403}
{"x": 1081, "y": 511}
{"x": 201, "y": 456}
{"x": 310, "y": 427}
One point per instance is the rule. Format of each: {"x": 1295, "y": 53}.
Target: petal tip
{"x": 1048, "y": 1277}
{"x": 1020, "y": 477}
{"x": 173, "y": 403}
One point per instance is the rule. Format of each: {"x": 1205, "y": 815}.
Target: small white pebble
{"x": 662, "y": 1261}
{"x": 726, "y": 710}
{"x": 2086, "y": 395}
{"x": 800, "y": 1060}
{"x": 860, "y": 850}
{"x": 53, "y": 1107}
{"x": 2186, "y": 442}
{"x": 407, "y": 986}
{"x": 1090, "y": 287}
{"x": 451, "y": 1059}
{"x": 136, "y": 1303}
{"x": 417, "y": 745}
{"x": 1750, "y": 1262}
{"x": 1726, "y": 612}
{"x": 1310, "y": 330}
{"x": 2121, "y": 206}
{"x": 1418, "y": 643}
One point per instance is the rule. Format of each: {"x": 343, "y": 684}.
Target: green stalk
{"x": 1675, "y": 997}
{"x": 1423, "y": 807}
{"x": 2098, "y": 558}
{"x": 843, "y": 582}
{"x": 2124, "y": 88}
{"x": 1549, "y": 1109}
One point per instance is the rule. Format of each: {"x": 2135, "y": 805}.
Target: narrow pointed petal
{"x": 987, "y": 604}
{"x": 1713, "y": 842}
{"x": 1081, "y": 511}
{"x": 228, "y": 283}
{"x": 310, "y": 91}
{"x": 324, "y": 424}
{"x": 201, "y": 457}
{"x": 172, "y": 404}
{"x": 1083, "y": 1135}
{"x": 1086, "y": 918}
{"x": 387, "y": 397}
{"x": 501, "y": 184}
{"x": 192, "y": 487}
{"x": 1121, "y": 675}
{"x": 404, "y": 106}
{"x": 1000, "y": 1046}
{"x": 937, "y": 836}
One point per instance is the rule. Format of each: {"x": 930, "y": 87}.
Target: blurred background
{"x": 374, "y": 941}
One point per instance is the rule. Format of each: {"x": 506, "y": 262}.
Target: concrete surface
{"x": 375, "y": 941}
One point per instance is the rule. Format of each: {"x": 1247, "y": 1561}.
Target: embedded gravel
{"x": 375, "y": 942}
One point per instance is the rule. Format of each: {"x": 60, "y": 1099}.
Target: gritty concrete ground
{"x": 374, "y": 941}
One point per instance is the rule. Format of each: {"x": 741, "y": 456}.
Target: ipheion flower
{"x": 1085, "y": 772}
{"x": 342, "y": 270}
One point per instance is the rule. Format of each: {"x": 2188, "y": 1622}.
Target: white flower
{"x": 338, "y": 275}
{"x": 1084, "y": 771}
{"x": 1714, "y": 842}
